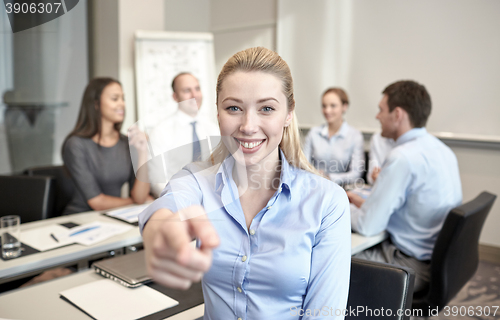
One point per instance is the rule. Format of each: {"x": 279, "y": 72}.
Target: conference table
{"x": 42, "y": 301}
{"x": 72, "y": 255}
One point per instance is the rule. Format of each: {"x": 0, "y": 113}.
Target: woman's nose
{"x": 249, "y": 124}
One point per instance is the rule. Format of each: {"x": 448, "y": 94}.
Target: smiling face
{"x": 112, "y": 103}
{"x": 252, "y": 113}
{"x": 187, "y": 87}
{"x": 333, "y": 108}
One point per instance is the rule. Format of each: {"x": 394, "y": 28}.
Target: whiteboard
{"x": 159, "y": 57}
{"x": 450, "y": 46}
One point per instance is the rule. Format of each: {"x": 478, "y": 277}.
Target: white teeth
{"x": 250, "y": 145}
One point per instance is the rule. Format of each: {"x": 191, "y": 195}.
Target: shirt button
{"x": 240, "y": 319}
{"x": 281, "y": 189}
{"x": 239, "y": 290}
{"x": 244, "y": 258}
{"x": 269, "y": 207}
{"x": 252, "y": 232}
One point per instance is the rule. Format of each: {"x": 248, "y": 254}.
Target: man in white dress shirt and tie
{"x": 417, "y": 187}
{"x": 178, "y": 137}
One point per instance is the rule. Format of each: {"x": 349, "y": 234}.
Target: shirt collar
{"x": 286, "y": 176}
{"x": 226, "y": 168}
{"x": 410, "y": 135}
{"x": 341, "y": 133}
{"x": 185, "y": 118}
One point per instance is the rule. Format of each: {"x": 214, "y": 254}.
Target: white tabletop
{"x": 63, "y": 255}
{"x": 360, "y": 243}
{"x": 44, "y": 302}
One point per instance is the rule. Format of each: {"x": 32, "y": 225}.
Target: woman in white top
{"x": 336, "y": 148}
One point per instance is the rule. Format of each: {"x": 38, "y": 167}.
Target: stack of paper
{"x": 43, "y": 239}
{"x": 91, "y": 233}
{"x": 55, "y": 236}
{"x": 129, "y": 214}
{"x": 106, "y": 299}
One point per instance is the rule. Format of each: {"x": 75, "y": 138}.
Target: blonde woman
{"x": 273, "y": 236}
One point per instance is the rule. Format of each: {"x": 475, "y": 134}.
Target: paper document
{"x": 41, "y": 239}
{"x": 363, "y": 192}
{"x": 91, "y": 233}
{"x": 106, "y": 299}
{"x": 129, "y": 214}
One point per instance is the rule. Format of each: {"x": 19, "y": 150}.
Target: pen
{"x": 83, "y": 230}
{"x": 54, "y": 237}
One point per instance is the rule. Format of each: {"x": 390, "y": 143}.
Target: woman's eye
{"x": 232, "y": 108}
{"x": 267, "y": 109}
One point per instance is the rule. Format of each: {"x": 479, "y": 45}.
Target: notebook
{"x": 129, "y": 270}
{"x": 107, "y": 300}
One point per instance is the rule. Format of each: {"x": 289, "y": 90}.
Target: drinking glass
{"x": 10, "y": 231}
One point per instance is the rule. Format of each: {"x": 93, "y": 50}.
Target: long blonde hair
{"x": 268, "y": 61}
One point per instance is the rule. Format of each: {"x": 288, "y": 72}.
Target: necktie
{"x": 196, "y": 144}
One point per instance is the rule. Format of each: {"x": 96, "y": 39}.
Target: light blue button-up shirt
{"x": 294, "y": 260}
{"x": 418, "y": 185}
{"x": 340, "y": 156}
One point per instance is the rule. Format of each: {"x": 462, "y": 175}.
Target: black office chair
{"x": 455, "y": 257}
{"x": 376, "y": 285}
{"x": 31, "y": 198}
{"x": 367, "y": 167}
{"x": 64, "y": 187}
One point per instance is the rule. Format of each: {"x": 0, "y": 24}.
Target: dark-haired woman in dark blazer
{"x": 97, "y": 155}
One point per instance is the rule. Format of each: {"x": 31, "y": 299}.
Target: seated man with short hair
{"x": 417, "y": 186}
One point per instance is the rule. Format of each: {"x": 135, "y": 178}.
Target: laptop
{"x": 129, "y": 270}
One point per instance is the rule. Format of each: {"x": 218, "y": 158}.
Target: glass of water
{"x": 10, "y": 231}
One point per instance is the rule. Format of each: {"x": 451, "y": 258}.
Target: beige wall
{"x": 115, "y": 24}
{"x": 105, "y": 39}
{"x": 238, "y": 25}
{"x": 187, "y": 15}
{"x": 135, "y": 15}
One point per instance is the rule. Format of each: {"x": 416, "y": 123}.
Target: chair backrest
{"x": 367, "y": 167}
{"x": 455, "y": 257}
{"x": 376, "y": 285}
{"x": 31, "y": 198}
{"x": 64, "y": 187}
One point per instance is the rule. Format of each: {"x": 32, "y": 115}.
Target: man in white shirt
{"x": 177, "y": 138}
{"x": 417, "y": 187}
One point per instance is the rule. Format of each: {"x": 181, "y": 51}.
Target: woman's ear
{"x": 345, "y": 106}
{"x": 289, "y": 118}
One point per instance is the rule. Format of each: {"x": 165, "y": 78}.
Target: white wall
{"x": 115, "y": 23}
{"x": 452, "y": 46}
{"x": 239, "y": 25}
{"x": 187, "y": 15}
{"x": 134, "y": 15}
